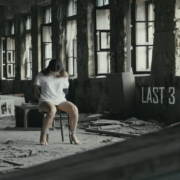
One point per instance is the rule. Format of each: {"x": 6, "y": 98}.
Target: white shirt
{"x": 51, "y": 88}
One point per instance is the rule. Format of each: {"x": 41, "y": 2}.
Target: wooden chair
{"x": 60, "y": 115}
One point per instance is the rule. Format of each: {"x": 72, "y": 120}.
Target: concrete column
{"x": 82, "y": 40}
{"x": 55, "y": 7}
{"x": 37, "y": 17}
{"x": 163, "y": 62}
{"x": 36, "y": 21}
{"x": 17, "y": 32}
{"x": 117, "y": 35}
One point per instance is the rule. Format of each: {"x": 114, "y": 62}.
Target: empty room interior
{"x": 109, "y": 106}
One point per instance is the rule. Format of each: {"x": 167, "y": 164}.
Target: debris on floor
{"x": 20, "y": 149}
{"x": 23, "y": 148}
{"x": 131, "y": 127}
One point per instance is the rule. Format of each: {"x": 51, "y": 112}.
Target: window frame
{"x": 43, "y": 59}
{"x": 134, "y": 43}
{"x": 44, "y": 11}
{"x": 28, "y": 32}
{"x": 4, "y": 60}
{"x": 106, "y": 6}
{"x": 44, "y": 24}
{"x": 68, "y": 19}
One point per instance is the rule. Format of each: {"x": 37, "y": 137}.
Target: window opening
{"x": 46, "y": 37}
{"x": 46, "y": 45}
{"x": 28, "y": 22}
{"x": 102, "y": 37}
{"x": 8, "y": 56}
{"x": 102, "y": 3}
{"x": 47, "y": 15}
{"x": 143, "y": 29}
{"x": 72, "y": 8}
{"x": 71, "y": 38}
{"x": 28, "y": 51}
{"x": 12, "y": 28}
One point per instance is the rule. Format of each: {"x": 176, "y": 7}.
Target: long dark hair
{"x": 54, "y": 65}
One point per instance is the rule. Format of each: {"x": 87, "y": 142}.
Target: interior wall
{"x": 154, "y": 96}
{"x": 88, "y": 93}
{"x": 158, "y": 94}
{"x": 17, "y": 87}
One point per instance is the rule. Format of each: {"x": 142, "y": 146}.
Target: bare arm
{"x": 37, "y": 91}
{"x": 65, "y": 75}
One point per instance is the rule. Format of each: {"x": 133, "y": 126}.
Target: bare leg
{"x": 72, "y": 110}
{"x": 50, "y": 109}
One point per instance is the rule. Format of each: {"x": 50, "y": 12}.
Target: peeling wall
{"x": 89, "y": 93}
{"x": 177, "y": 37}
{"x": 90, "y": 36}
{"x": 21, "y": 6}
{"x": 17, "y": 87}
{"x": 163, "y": 70}
{"x": 18, "y": 45}
{"x": 86, "y": 91}
{"x": 117, "y": 11}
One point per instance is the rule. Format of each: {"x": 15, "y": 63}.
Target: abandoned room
{"x": 122, "y": 59}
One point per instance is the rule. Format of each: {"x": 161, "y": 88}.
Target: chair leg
{"x": 70, "y": 139}
{"x": 61, "y": 126}
{"x": 53, "y": 124}
{"x": 41, "y": 130}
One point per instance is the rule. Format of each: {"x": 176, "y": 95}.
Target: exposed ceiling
{"x": 5, "y": 2}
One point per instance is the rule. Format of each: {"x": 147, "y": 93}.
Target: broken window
{"x": 12, "y": 28}
{"x": 71, "y": 38}
{"x": 46, "y": 32}
{"x": 46, "y": 44}
{"x": 72, "y": 8}
{"x": 142, "y": 37}
{"x": 8, "y": 55}
{"x": 28, "y": 23}
{"x": 28, "y": 51}
{"x": 102, "y": 2}
{"x": 177, "y": 39}
{"x": 47, "y": 15}
{"x": 102, "y": 37}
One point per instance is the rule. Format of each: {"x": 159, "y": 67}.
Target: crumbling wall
{"x": 89, "y": 93}
{"x": 177, "y": 37}
{"x": 21, "y": 6}
{"x": 2, "y": 20}
{"x": 56, "y": 27}
{"x": 17, "y": 87}
{"x": 163, "y": 63}
{"x": 117, "y": 11}
{"x": 161, "y": 85}
{"x": 90, "y": 36}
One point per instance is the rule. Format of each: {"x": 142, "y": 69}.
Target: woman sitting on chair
{"x": 48, "y": 89}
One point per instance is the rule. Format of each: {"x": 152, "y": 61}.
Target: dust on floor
{"x": 20, "y": 149}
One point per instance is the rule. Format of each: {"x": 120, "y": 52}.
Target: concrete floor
{"x": 22, "y": 147}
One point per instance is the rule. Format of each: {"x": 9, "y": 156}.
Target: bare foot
{"x": 44, "y": 143}
{"x": 43, "y": 140}
{"x": 75, "y": 139}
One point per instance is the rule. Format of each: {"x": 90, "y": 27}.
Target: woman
{"x": 48, "y": 89}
